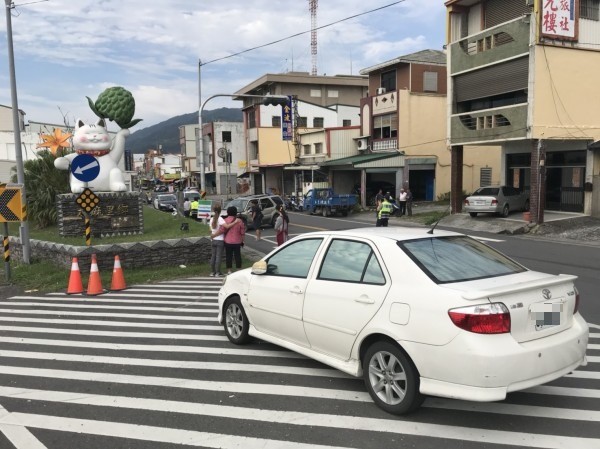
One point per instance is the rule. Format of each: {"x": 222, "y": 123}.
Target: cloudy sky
{"x": 66, "y": 50}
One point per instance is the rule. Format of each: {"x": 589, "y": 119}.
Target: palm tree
{"x": 42, "y": 183}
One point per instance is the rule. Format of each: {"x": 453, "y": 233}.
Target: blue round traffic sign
{"x": 85, "y": 167}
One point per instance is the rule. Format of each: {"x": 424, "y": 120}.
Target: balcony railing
{"x": 491, "y": 45}
{"x": 385, "y": 145}
{"x": 489, "y": 125}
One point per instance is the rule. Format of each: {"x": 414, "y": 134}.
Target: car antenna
{"x": 444, "y": 215}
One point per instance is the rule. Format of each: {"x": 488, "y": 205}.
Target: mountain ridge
{"x": 166, "y": 133}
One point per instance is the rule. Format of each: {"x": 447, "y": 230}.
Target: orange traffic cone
{"x": 75, "y": 285}
{"x": 95, "y": 282}
{"x": 118, "y": 280}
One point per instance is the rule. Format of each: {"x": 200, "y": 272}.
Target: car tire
{"x": 526, "y": 207}
{"x": 505, "y": 211}
{"x": 391, "y": 378}
{"x": 325, "y": 211}
{"x": 473, "y": 214}
{"x": 235, "y": 322}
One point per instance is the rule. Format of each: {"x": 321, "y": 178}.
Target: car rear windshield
{"x": 457, "y": 259}
{"x": 167, "y": 198}
{"x": 239, "y": 204}
{"x": 487, "y": 191}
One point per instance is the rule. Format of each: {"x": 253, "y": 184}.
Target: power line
{"x": 301, "y": 33}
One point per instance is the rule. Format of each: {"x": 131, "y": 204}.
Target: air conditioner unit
{"x": 381, "y": 90}
{"x": 362, "y": 144}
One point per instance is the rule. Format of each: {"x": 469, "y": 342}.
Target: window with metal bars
{"x": 589, "y": 9}
{"x": 485, "y": 176}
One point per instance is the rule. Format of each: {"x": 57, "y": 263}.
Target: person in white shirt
{"x": 402, "y": 201}
{"x": 217, "y": 242}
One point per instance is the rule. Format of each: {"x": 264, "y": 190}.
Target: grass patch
{"x": 157, "y": 226}
{"x": 42, "y": 276}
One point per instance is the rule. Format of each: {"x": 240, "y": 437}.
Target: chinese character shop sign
{"x": 559, "y": 19}
{"x": 287, "y": 129}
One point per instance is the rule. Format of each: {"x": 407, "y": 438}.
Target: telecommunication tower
{"x": 312, "y": 5}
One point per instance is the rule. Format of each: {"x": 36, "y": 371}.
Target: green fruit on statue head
{"x": 116, "y": 104}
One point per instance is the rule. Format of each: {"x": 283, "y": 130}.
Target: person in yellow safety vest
{"x": 194, "y": 208}
{"x": 385, "y": 210}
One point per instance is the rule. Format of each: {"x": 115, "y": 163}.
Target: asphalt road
{"x": 540, "y": 254}
{"x": 150, "y": 368}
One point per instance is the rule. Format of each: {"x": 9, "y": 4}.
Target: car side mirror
{"x": 259, "y": 267}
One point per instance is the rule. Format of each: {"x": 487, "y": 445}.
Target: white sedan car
{"x": 411, "y": 312}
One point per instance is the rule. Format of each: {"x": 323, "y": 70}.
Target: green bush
{"x": 42, "y": 183}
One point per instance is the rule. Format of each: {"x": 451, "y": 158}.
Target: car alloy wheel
{"x": 236, "y": 323}
{"x": 391, "y": 378}
{"x": 505, "y": 211}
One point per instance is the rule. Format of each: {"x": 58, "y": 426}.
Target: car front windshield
{"x": 457, "y": 259}
{"x": 167, "y": 198}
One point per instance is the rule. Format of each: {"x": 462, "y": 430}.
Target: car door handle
{"x": 365, "y": 300}
{"x": 296, "y": 290}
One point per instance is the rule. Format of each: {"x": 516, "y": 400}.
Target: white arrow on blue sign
{"x": 85, "y": 167}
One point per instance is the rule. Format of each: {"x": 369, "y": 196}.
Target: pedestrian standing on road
{"x": 257, "y": 217}
{"x": 378, "y": 199}
{"x": 383, "y": 215}
{"x": 402, "y": 201}
{"x": 217, "y": 244}
{"x": 409, "y": 201}
{"x": 281, "y": 225}
{"x": 186, "y": 208}
{"x": 234, "y": 239}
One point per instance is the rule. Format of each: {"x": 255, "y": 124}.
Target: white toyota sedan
{"x": 411, "y": 312}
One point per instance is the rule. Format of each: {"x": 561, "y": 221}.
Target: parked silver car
{"x": 496, "y": 200}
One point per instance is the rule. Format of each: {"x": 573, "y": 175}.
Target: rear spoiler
{"x": 521, "y": 286}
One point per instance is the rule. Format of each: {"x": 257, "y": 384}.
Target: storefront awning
{"x": 359, "y": 159}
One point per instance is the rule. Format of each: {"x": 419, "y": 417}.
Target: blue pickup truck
{"x": 326, "y": 202}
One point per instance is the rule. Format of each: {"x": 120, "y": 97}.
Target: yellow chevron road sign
{"x": 11, "y": 207}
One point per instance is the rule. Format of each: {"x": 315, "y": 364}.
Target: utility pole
{"x": 199, "y": 145}
{"x": 24, "y": 228}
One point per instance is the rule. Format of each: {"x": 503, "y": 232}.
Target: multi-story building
{"x": 403, "y": 128}
{"x": 522, "y": 74}
{"x": 320, "y": 102}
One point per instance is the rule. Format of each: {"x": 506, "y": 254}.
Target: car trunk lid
{"x": 539, "y": 304}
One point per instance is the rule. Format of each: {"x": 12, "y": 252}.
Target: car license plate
{"x": 479, "y": 203}
{"x": 546, "y": 314}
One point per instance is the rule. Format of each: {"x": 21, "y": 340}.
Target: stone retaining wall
{"x": 172, "y": 252}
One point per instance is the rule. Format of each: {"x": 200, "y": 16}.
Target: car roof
{"x": 383, "y": 235}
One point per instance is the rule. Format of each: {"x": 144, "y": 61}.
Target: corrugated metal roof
{"x": 361, "y": 158}
{"x": 434, "y": 57}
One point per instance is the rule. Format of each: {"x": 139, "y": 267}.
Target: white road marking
{"x": 585, "y": 375}
{"x": 195, "y": 307}
{"x": 53, "y": 330}
{"x": 309, "y": 420}
{"x": 595, "y": 326}
{"x": 158, "y": 348}
{"x": 111, "y": 315}
{"x": 183, "y": 364}
{"x": 70, "y": 299}
{"x": 564, "y": 391}
{"x": 18, "y": 435}
{"x": 142, "y": 295}
{"x": 191, "y": 384}
{"x": 113, "y": 323}
{"x": 155, "y": 434}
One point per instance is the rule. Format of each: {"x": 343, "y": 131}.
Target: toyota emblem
{"x": 546, "y": 294}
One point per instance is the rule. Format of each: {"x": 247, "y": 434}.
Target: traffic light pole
{"x": 268, "y": 99}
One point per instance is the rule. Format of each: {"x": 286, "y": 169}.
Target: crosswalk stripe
{"x": 113, "y": 323}
{"x": 565, "y": 391}
{"x": 115, "y": 315}
{"x": 144, "y": 295}
{"x": 183, "y": 364}
{"x": 194, "y": 307}
{"x": 103, "y": 299}
{"x": 310, "y": 420}
{"x": 79, "y": 331}
{"x": 156, "y": 348}
{"x": 152, "y": 433}
{"x": 18, "y": 435}
{"x": 191, "y": 384}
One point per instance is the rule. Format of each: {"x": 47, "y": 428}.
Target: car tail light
{"x": 466, "y": 202}
{"x": 482, "y": 319}
{"x": 494, "y": 202}
{"x": 576, "y": 308}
